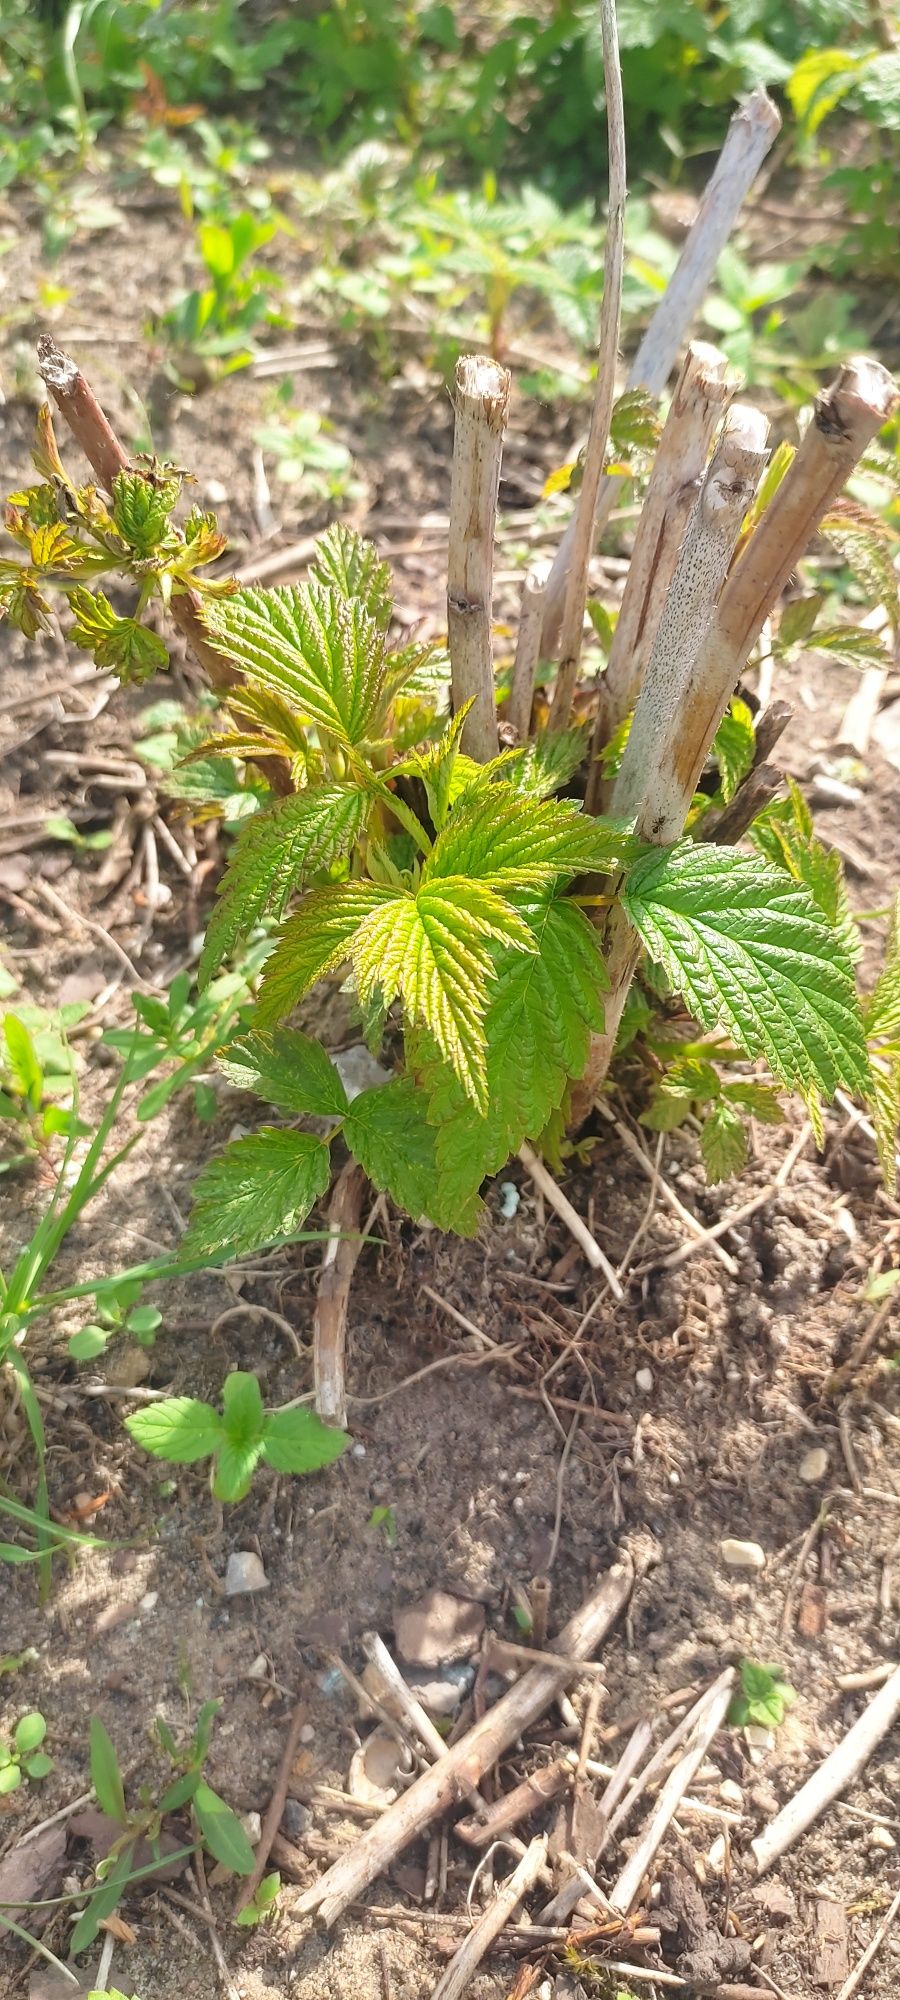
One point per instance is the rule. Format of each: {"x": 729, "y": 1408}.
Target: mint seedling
{"x": 184, "y": 1430}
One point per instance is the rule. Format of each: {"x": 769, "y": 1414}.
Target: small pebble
{"x": 758, "y": 1737}
{"x": 357, "y": 1451}
{"x": 881, "y": 1840}
{"x": 644, "y": 1381}
{"x": 307, "y": 1733}
{"x": 509, "y": 1200}
{"x": 252, "y": 1826}
{"x": 150, "y": 1600}
{"x": 742, "y": 1555}
{"x": 244, "y": 1573}
{"x": 731, "y": 1794}
{"x": 295, "y": 1819}
{"x": 215, "y": 493}
{"x": 814, "y": 1466}
{"x": 718, "y": 1855}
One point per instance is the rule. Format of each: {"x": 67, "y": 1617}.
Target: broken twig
{"x": 466, "y": 1761}
{"x": 826, "y": 1784}
{"x": 465, "y": 1962}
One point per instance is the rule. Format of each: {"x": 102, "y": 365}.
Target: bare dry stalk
{"x": 560, "y": 1908}
{"x": 701, "y": 649}
{"x": 750, "y": 135}
{"x": 627, "y": 1888}
{"x": 584, "y": 530}
{"x": 463, "y": 1765}
{"x": 528, "y": 650}
{"x": 465, "y": 1962}
{"x": 826, "y": 1784}
{"x": 706, "y": 552}
{"x": 481, "y": 401}
{"x": 854, "y": 1979}
{"x": 701, "y": 394}
{"x": 332, "y": 1299}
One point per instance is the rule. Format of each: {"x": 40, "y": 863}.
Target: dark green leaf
{"x": 106, "y": 1776}
{"x": 259, "y": 1191}
{"x": 288, "y": 1069}
{"x": 387, "y": 1131}
{"x": 222, "y": 1832}
{"x": 753, "y": 954}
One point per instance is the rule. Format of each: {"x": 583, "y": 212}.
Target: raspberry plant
{"x": 492, "y": 877}
{"x": 458, "y": 889}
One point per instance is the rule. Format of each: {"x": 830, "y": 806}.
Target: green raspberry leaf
{"x": 276, "y": 851}
{"x": 130, "y": 649}
{"x": 242, "y": 1408}
{"x": 29, "y": 1733}
{"x": 723, "y": 1143}
{"x": 753, "y": 954}
{"x": 141, "y": 509}
{"x": 387, "y": 1131}
{"x": 259, "y": 1191}
{"x": 289, "y": 1069}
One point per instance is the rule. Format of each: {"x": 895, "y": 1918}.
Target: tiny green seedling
{"x": 34, "y": 1071}
{"x": 118, "y": 1311}
{"x": 765, "y": 1697}
{"x": 385, "y": 1519}
{"x": 261, "y": 1905}
{"x": 183, "y": 1430}
{"x": 215, "y": 1826}
{"x": 24, "y": 1755}
{"x": 60, "y": 827}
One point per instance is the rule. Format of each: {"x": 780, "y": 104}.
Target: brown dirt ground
{"x": 468, "y": 1458}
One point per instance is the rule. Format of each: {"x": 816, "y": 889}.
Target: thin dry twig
{"x": 465, "y": 1962}
{"x": 716, "y": 1702}
{"x": 673, "y": 1200}
{"x": 333, "y": 1296}
{"x": 832, "y": 1777}
{"x": 475, "y": 1752}
{"x": 274, "y": 1810}
{"x": 231, "y": 1991}
{"x": 747, "y": 1208}
{"x": 400, "y": 1698}
{"x": 553, "y": 1193}
{"x": 752, "y": 131}
{"x": 854, "y": 1978}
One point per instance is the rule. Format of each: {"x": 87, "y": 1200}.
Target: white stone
{"x": 742, "y": 1555}
{"x": 814, "y": 1466}
{"x": 307, "y": 1733}
{"x": 258, "y": 1669}
{"x": 758, "y": 1736}
{"x": 252, "y": 1826}
{"x": 150, "y": 1600}
{"x": 881, "y": 1840}
{"x": 644, "y": 1381}
{"x": 731, "y": 1794}
{"x": 359, "y": 1070}
{"x": 717, "y": 1857}
{"x": 244, "y": 1573}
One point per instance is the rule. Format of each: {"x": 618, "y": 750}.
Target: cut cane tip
{"x": 58, "y": 369}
